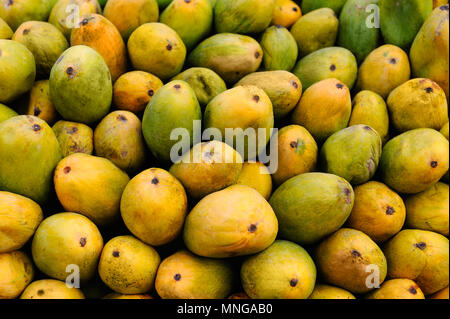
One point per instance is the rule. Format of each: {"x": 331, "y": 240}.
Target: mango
{"x": 16, "y": 12}
{"x": 67, "y": 239}
{"x": 445, "y": 130}
{"x": 153, "y": 206}
{"x": 39, "y": 102}
{"x": 232, "y": 222}
{"x": 74, "y": 138}
{"x": 397, "y": 289}
{"x": 257, "y": 176}
{"x": 378, "y": 211}
{"x": 6, "y": 113}
{"x": 311, "y": 206}
{"x": 77, "y": 175}
{"x": 5, "y": 30}
{"x": 283, "y": 271}
{"x": 285, "y": 13}
{"x": 280, "y": 49}
{"x": 33, "y": 167}
{"x": 128, "y": 266}
{"x": 80, "y": 85}
{"x": 441, "y": 294}
{"x": 438, "y": 3}
{"x": 16, "y": 272}
{"x": 157, "y": 49}
{"x": 315, "y": 30}
{"x": 415, "y": 160}
{"x": 50, "y": 289}
{"x": 330, "y": 292}
{"x": 421, "y": 256}
{"x": 309, "y": 5}
{"x": 122, "y": 296}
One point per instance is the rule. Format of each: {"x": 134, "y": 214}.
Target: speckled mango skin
{"x": 378, "y": 211}
{"x": 99, "y": 33}
{"x": 323, "y": 292}
{"x": 77, "y": 175}
{"x": 429, "y": 210}
{"x": 18, "y": 11}
{"x": 343, "y": 258}
{"x": 74, "y": 138}
{"x": 283, "y": 88}
{"x": 256, "y": 175}
{"x": 324, "y": 109}
{"x": 309, "y": 5}
{"x": 5, "y": 30}
{"x": 80, "y": 85}
{"x": 157, "y": 49}
{"x": 19, "y": 218}
{"x": 16, "y": 272}
{"x": 311, "y": 206}
{"x": 232, "y": 222}
{"x": 297, "y": 153}
{"x": 208, "y": 168}
{"x": 280, "y": 49}
{"x": 128, "y": 15}
{"x": 39, "y": 155}
{"x": 285, "y": 13}
{"x": 186, "y": 276}
{"x": 118, "y": 137}
{"x": 242, "y": 16}
{"x": 35, "y": 35}
{"x": 153, "y": 206}
{"x": 231, "y": 56}
{"x": 6, "y": 113}
{"x": 282, "y": 271}
{"x": 384, "y": 69}
{"x": 415, "y": 160}
{"x": 441, "y": 294}
{"x": 421, "y": 256}
{"x": 315, "y": 30}
{"x": 370, "y": 109}
{"x": 51, "y": 289}
{"x": 352, "y": 153}
{"x": 128, "y": 266}
{"x": 418, "y": 103}
{"x": 397, "y": 289}
{"x": 64, "y": 239}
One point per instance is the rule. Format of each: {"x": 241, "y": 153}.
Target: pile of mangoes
{"x": 344, "y": 196}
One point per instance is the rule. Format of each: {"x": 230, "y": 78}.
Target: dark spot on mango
{"x": 177, "y": 277}
{"x": 121, "y": 118}
{"x": 295, "y": 9}
{"x": 444, "y": 7}
{"x": 169, "y": 47}
{"x": 10, "y": 2}
{"x": 294, "y": 84}
{"x": 294, "y": 144}
{"x": 74, "y": 130}
{"x": 293, "y": 282}
{"x": 412, "y": 290}
{"x": 177, "y": 86}
{"x": 150, "y": 92}
{"x": 187, "y": 1}
{"x": 356, "y": 253}
{"x": 434, "y": 164}
{"x": 332, "y": 67}
{"x": 252, "y": 228}
{"x": 367, "y": 128}
{"x": 257, "y": 55}
{"x": 339, "y": 85}
{"x": 421, "y": 245}
{"x": 155, "y": 181}
{"x": 390, "y": 210}
{"x": 393, "y": 61}
{"x": 69, "y": 70}
{"x": 256, "y": 98}
{"x": 36, "y": 127}
{"x": 40, "y": 292}
{"x": 84, "y": 21}
{"x": 116, "y": 253}
{"x": 25, "y": 31}
{"x": 36, "y": 111}
{"x": 429, "y": 90}
{"x": 348, "y": 199}
{"x": 83, "y": 241}
{"x": 67, "y": 170}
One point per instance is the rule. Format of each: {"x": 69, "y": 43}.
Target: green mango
{"x": 16, "y": 12}
{"x": 280, "y": 49}
{"x": 173, "y": 106}
{"x": 80, "y": 85}
{"x": 310, "y": 5}
{"x": 354, "y": 34}
{"x": 5, "y": 30}
{"x": 6, "y": 113}
{"x": 400, "y": 20}
{"x": 31, "y": 145}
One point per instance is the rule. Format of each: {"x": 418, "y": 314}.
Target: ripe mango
{"x": 16, "y": 272}
{"x": 256, "y": 175}
{"x": 441, "y": 294}
{"x": 330, "y": 292}
{"x": 285, "y": 13}
{"x": 16, "y": 12}
{"x": 39, "y": 102}
{"x": 74, "y": 138}
{"x": 51, "y": 289}
{"x": 397, "y": 289}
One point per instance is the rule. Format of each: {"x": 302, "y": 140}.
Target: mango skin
{"x": 297, "y": 153}
{"x": 80, "y": 85}
{"x": 178, "y": 14}
{"x": 332, "y": 62}
{"x": 438, "y": 3}
{"x": 283, "y": 88}
{"x": 97, "y": 32}
{"x": 128, "y": 266}
{"x": 397, "y": 289}
{"x": 230, "y": 55}
{"x": 352, "y": 153}
{"x": 315, "y": 30}
{"x": 384, "y": 69}
{"x": 74, "y": 138}
{"x": 370, "y": 109}
{"x": 232, "y": 222}
{"x": 207, "y": 168}
{"x": 256, "y": 175}
{"x": 285, "y": 13}
{"x": 78, "y": 174}
{"x": 33, "y": 169}
{"x": 242, "y": 16}
{"x": 311, "y": 206}
{"x": 330, "y": 292}
{"x": 418, "y": 103}
{"x": 282, "y": 271}
{"x": 280, "y": 49}
{"x": 5, "y": 30}
{"x": 324, "y": 109}
{"x": 441, "y": 294}
{"x": 20, "y": 216}
{"x": 309, "y": 5}
{"x": 45, "y": 41}
{"x": 430, "y": 49}
{"x": 6, "y": 113}
{"x": 122, "y": 296}
{"x": 16, "y": 273}
{"x": 421, "y": 256}
{"x": 118, "y": 137}
{"x": 157, "y": 49}
{"x": 352, "y": 252}
{"x": 17, "y": 70}
{"x": 186, "y": 276}
{"x": 415, "y": 160}
{"x": 445, "y": 130}
{"x": 64, "y": 239}
{"x": 128, "y": 15}
{"x": 429, "y": 210}
{"x": 18, "y": 11}
{"x": 50, "y": 289}
{"x": 173, "y": 106}
{"x": 154, "y": 211}
{"x": 378, "y": 211}
{"x": 40, "y": 103}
